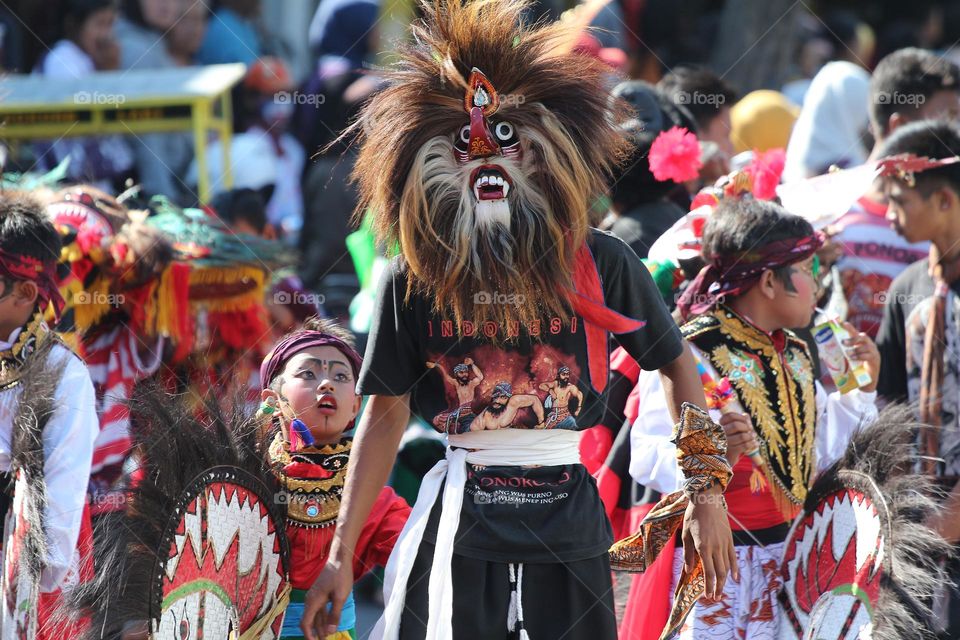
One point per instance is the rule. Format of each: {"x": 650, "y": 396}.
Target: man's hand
{"x": 861, "y": 348}
{"x": 706, "y": 532}
{"x": 741, "y": 437}
{"x": 332, "y": 587}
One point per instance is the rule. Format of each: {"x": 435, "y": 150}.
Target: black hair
{"x": 905, "y": 79}
{"x": 25, "y": 229}
{"x": 935, "y": 139}
{"x": 840, "y": 30}
{"x": 739, "y": 226}
{"x": 633, "y": 184}
{"x": 239, "y": 205}
{"x": 133, "y": 12}
{"x": 76, "y": 12}
{"x": 702, "y": 92}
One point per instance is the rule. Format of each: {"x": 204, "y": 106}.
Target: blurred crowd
{"x": 218, "y": 281}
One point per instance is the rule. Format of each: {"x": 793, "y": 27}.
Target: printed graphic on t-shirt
{"x": 501, "y": 389}
{"x": 866, "y": 295}
{"x": 874, "y": 254}
{"x": 495, "y": 485}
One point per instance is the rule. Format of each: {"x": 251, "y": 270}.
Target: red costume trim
{"x": 599, "y": 320}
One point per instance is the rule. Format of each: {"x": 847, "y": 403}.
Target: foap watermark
{"x": 298, "y": 297}
{"x": 99, "y": 98}
{"x": 512, "y": 99}
{"x": 496, "y": 497}
{"x": 485, "y": 297}
{"x": 298, "y": 97}
{"x": 694, "y": 298}
{"x": 889, "y": 297}
{"x": 900, "y": 98}
{"x": 99, "y": 298}
{"x": 700, "y": 98}
{"x": 111, "y": 501}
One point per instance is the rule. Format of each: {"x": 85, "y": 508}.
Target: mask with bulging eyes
{"x": 489, "y": 181}
{"x": 486, "y": 138}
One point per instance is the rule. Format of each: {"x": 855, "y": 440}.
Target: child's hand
{"x": 741, "y": 436}
{"x": 332, "y": 587}
{"x": 860, "y": 347}
{"x": 431, "y": 365}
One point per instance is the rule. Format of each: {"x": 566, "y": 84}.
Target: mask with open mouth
{"x": 481, "y": 159}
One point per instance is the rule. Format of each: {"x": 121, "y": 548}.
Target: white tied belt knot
{"x": 503, "y": 447}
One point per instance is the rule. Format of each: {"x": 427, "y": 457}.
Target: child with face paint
{"x": 310, "y": 378}
{"x": 782, "y": 428}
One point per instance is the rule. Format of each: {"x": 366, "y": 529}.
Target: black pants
{"x": 561, "y": 601}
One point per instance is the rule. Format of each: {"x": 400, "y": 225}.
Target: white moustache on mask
{"x": 491, "y": 212}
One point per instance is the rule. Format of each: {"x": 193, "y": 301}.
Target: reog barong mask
{"x": 482, "y": 156}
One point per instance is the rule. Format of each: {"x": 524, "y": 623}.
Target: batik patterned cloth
{"x": 945, "y": 448}
{"x": 748, "y": 608}
{"x": 701, "y": 450}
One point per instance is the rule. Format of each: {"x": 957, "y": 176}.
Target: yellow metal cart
{"x": 193, "y": 99}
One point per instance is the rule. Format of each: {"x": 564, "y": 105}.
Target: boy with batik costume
{"x": 310, "y": 377}
{"x": 480, "y": 161}
{"x": 781, "y": 426}
{"x": 46, "y": 398}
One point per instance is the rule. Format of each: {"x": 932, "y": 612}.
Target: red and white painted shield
{"x": 833, "y": 562}
{"x": 225, "y": 573}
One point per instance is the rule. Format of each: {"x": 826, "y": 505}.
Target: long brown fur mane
{"x": 560, "y": 105}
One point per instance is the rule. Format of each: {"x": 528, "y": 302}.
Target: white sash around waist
{"x": 503, "y": 447}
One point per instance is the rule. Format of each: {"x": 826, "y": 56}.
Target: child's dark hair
{"x": 25, "y": 229}
{"x": 904, "y": 80}
{"x": 935, "y": 139}
{"x": 323, "y": 325}
{"x": 741, "y": 226}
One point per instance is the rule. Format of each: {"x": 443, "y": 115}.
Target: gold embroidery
{"x": 700, "y": 442}
{"x": 33, "y": 335}
{"x": 776, "y": 389}
{"x": 312, "y": 502}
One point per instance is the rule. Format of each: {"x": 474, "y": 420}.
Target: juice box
{"x": 847, "y": 375}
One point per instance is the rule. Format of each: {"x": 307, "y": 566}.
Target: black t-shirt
{"x": 460, "y": 380}
{"x": 906, "y": 292}
{"x": 641, "y": 226}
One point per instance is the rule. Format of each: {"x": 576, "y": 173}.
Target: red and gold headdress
{"x": 905, "y": 166}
